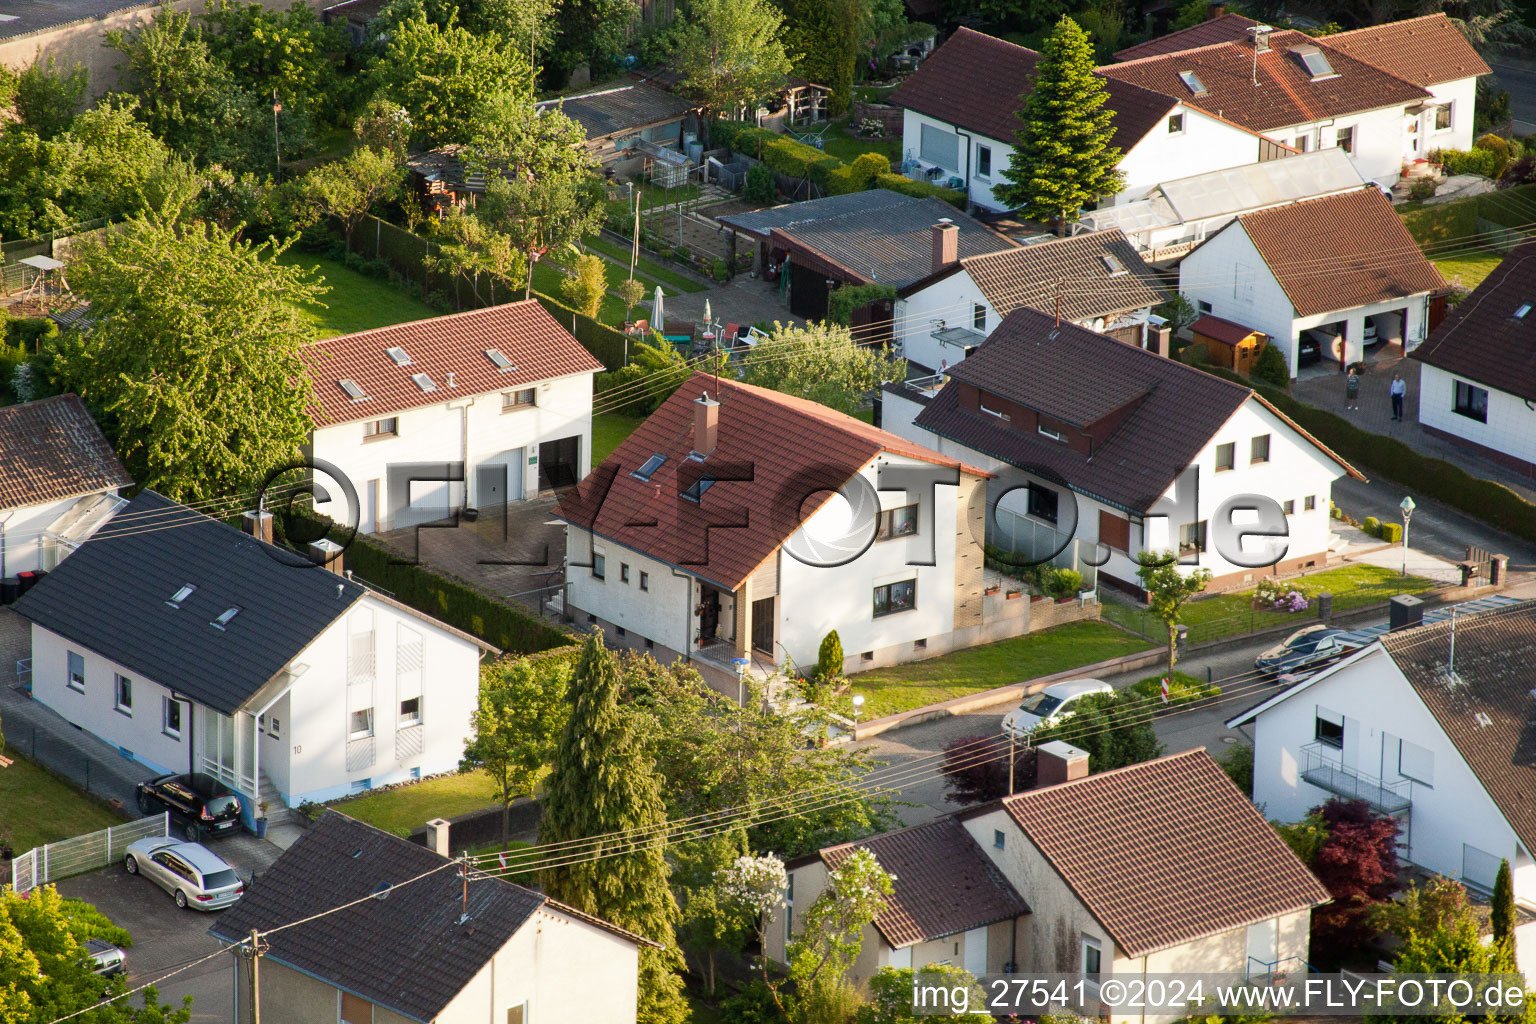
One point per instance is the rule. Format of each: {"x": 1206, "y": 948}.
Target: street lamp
{"x": 858, "y": 705}
{"x": 1407, "y": 506}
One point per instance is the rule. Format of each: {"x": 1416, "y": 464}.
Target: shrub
{"x": 760, "y": 186}
{"x": 1237, "y": 762}
{"x": 1424, "y": 188}
{"x": 839, "y": 181}
{"x": 1392, "y": 532}
{"x": 866, "y": 168}
{"x": 1270, "y": 366}
{"x": 1063, "y": 582}
{"x": 1183, "y": 688}
{"x": 1499, "y": 148}
{"x": 1467, "y": 161}
{"x": 1519, "y": 172}
{"x": 907, "y": 187}
{"x": 792, "y": 158}
{"x": 1195, "y": 355}
{"x": 1372, "y": 526}
{"x": 718, "y": 270}
{"x": 829, "y": 657}
{"x": 974, "y": 773}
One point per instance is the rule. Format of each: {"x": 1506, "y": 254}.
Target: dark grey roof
{"x": 407, "y": 952}
{"x": 111, "y": 596}
{"x": 1072, "y": 374}
{"x": 42, "y": 15}
{"x": 1486, "y": 338}
{"x": 878, "y": 234}
{"x": 627, "y": 108}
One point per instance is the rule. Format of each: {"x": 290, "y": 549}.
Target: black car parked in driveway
{"x": 200, "y": 805}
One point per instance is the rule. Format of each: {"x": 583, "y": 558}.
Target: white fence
{"x": 82, "y": 853}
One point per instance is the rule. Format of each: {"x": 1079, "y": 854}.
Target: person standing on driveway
{"x": 1399, "y": 389}
{"x": 1352, "y": 390}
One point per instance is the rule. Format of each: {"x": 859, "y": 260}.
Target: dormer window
{"x": 181, "y": 595}
{"x": 225, "y": 618}
{"x": 1054, "y": 435}
{"x": 992, "y": 412}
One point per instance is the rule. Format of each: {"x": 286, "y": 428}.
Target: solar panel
{"x": 399, "y": 355}
{"x": 499, "y": 360}
{"x": 423, "y": 381}
{"x": 353, "y": 391}
{"x": 1525, "y": 307}
{"x": 1193, "y": 83}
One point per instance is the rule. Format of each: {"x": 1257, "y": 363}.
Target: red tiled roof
{"x": 773, "y": 452}
{"x": 52, "y": 449}
{"x": 944, "y": 884}
{"x": 1224, "y": 331}
{"x": 1425, "y": 51}
{"x": 1165, "y": 852}
{"x": 1482, "y": 339}
{"x": 535, "y": 343}
{"x": 1340, "y": 251}
{"x": 974, "y": 81}
{"x": 1285, "y": 94}
{"x": 1228, "y": 28}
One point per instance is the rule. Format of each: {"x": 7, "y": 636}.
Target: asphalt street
{"x": 1518, "y": 77}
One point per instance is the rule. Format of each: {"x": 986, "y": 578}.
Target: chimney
{"x": 327, "y": 553}
{"x": 946, "y": 244}
{"x": 1213, "y": 11}
{"x": 706, "y": 423}
{"x": 437, "y": 836}
{"x": 1260, "y": 35}
{"x": 1060, "y": 762}
{"x": 257, "y": 523}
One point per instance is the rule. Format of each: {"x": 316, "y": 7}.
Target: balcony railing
{"x": 1322, "y": 765}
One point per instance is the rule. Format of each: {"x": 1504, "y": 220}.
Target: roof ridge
{"x": 949, "y": 818}
{"x": 463, "y": 313}
{"x": 1111, "y": 773}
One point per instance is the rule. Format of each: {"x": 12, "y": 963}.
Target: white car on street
{"x": 1051, "y": 705}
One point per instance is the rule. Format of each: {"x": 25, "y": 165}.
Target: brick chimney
{"x": 437, "y": 836}
{"x": 326, "y": 552}
{"x": 1060, "y": 762}
{"x": 257, "y": 523}
{"x": 946, "y": 244}
{"x": 706, "y": 424}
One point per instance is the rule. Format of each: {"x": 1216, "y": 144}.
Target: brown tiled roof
{"x": 1482, "y": 339}
{"x": 538, "y": 347}
{"x": 944, "y": 883}
{"x": 1340, "y": 251}
{"x": 772, "y": 452}
{"x": 1286, "y": 94}
{"x": 1217, "y": 329}
{"x": 1028, "y": 276}
{"x": 1165, "y": 851}
{"x": 52, "y": 449}
{"x": 1425, "y": 51}
{"x": 974, "y": 81}
{"x": 1228, "y": 28}
{"x": 1486, "y": 708}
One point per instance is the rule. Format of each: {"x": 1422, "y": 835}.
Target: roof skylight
{"x": 1525, "y": 307}
{"x": 181, "y": 595}
{"x": 1315, "y": 61}
{"x": 499, "y": 360}
{"x": 695, "y": 493}
{"x": 1192, "y": 83}
{"x": 399, "y": 355}
{"x": 225, "y": 617}
{"x": 649, "y": 467}
{"x": 353, "y": 391}
{"x": 1113, "y": 265}
{"x": 423, "y": 381}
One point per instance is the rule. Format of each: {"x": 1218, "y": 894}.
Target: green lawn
{"x": 609, "y": 429}
{"x": 644, "y": 267}
{"x": 1467, "y": 269}
{"x": 355, "y": 301}
{"x": 42, "y": 809}
{"x": 903, "y": 687}
{"x": 1353, "y": 586}
{"x": 400, "y": 810}
{"x": 840, "y": 142}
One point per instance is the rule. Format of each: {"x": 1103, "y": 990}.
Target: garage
{"x": 559, "y": 464}
{"x": 499, "y": 480}
{"x": 423, "y": 492}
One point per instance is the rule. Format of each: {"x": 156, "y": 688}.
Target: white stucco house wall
{"x": 196, "y": 647}
{"x": 479, "y": 409}
{"x": 59, "y": 481}
{"x": 1327, "y": 263}
{"x": 1426, "y": 731}
{"x": 500, "y": 952}
{"x": 1085, "y": 478}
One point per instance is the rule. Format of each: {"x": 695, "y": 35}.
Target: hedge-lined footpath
{"x": 831, "y": 175}
{"x": 1491, "y": 502}
{"x": 503, "y": 626}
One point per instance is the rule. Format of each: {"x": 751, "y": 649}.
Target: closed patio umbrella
{"x": 658, "y": 312}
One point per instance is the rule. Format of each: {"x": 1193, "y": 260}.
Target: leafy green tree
{"x": 1062, "y": 157}
{"x": 1270, "y": 367}
{"x": 586, "y": 285}
{"x": 831, "y": 935}
{"x": 589, "y": 32}
{"x": 730, "y": 54}
{"x": 517, "y": 722}
{"x": 1237, "y": 762}
{"x": 890, "y": 995}
{"x": 346, "y": 189}
{"x": 384, "y": 126}
{"x": 43, "y": 969}
{"x": 754, "y": 886}
{"x": 633, "y": 293}
{"x": 1191, "y": 13}
{"x": 1114, "y": 728}
{"x": 604, "y": 784}
{"x": 653, "y": 373}
{"x": 1304, "y": 837}
{"x": 824, "y": 36}
{"x": 469, "y": 248}
{"x": 820, "y": 362}
{"x": 1168, "y": 590}
{"x": 441, "y": 75}
{"x": 194, "y": 357}
{"x": 290, "y": 53}
{"x": 48, "y": 98}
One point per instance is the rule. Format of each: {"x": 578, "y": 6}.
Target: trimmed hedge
{"x": 1391, "y": 532}
{"x": 501, "y": 625}
{"x": 921, "y": 189}
{"x": 595, "y": 336}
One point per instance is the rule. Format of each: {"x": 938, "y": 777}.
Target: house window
{"x": 526, "y": 398}
{"x": 650, "y": 644}
{"x": 170, "y": 717}
{"x": 1043, "y": 502}
{"x": 1258, "y": 450}
{"x": 998, "y": 839}
{"x": 992, "y": 412}
{"x": 388, "y": 427}
{"x": 1289, "y": 506}
{"x": 1226, "y": 456}
{"x": 360, "y": 724}
{"x": 1329, "y": 729}
{"x": 275, "y": 728}
{"x": 124, "y": 695}
{"x": 1192, "y": 538}
{"x": 76, "y": 671}
{"x": 1303, "y": 142}
{"x": 1176, "y": 124}
{"x": 1309, "y": 503}
{"x": 619, "y": 631}
{"x": 623, "y": 572}
{"x": 410, "y": 711}
{"x": 1471, "y": 402}
{"x": 1443, "y": 118}
{"x": 978, "y": 316}
{"x": 895, "y": 597}
{"x": 938, "y": 146}
{"x": 1344, "y": 138}
{"x": 1093, "y": 959}
{"x": 361, "y": 785}
{"x": 897, "y": 522}
{"x": 920, "y": 644}
{"x": 645, "y": 580}
{"x": 599, "y": 567}
{"x": 1202, "y": 305}
{"x": 355, "y": 1010}
{"x": 983, "y": 161}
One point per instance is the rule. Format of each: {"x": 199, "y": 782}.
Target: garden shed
{"x": 1230, "y": 344}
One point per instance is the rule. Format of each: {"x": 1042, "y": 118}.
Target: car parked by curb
{"x": 1053, "y": 704}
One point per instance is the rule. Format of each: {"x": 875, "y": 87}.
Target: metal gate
{"x": 1481, "y": 562}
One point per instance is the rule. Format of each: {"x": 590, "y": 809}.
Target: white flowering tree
{"x": 745, "y": 893}
{"x": 833, "y": 932}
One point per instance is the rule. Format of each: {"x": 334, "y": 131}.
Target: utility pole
{"x": 255, "y": 976}
{"x": 277, "y": 146}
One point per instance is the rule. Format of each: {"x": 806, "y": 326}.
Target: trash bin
{"x": 29, "y": 579}
{"x": 10, "y": 590}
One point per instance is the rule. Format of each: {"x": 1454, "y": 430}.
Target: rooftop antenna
{"x": 1451, "y": 668}
{"x": 1058, "y": 303}
{"x": 464, "y": 875}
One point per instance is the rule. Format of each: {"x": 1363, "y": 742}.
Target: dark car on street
{"x": 200, "y": 805}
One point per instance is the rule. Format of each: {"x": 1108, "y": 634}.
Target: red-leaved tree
{"x": 976, "y": 768}
{"x": 1357, "y": 864}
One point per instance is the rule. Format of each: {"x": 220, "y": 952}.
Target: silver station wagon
{"x": 195, "y": 875}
